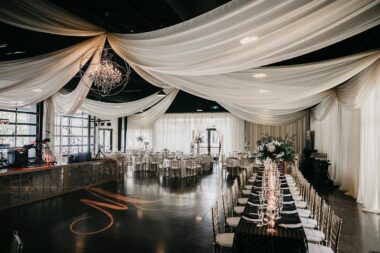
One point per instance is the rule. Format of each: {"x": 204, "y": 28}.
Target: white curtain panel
{"x": 69, "y": 103}
{"x": 152, "y": 114}
{"x": 369, "y": 184}
{"x": 43, "y": 16}
{"x": 295, "y": 130}
{"x": 31, "y": 80}
{"x": 338, "y": 135}
{"x": 349, "y": 134}
{"x": 176, "y": 131}
{"x": 117, "y": 110}
{"x": 245, "y": 34}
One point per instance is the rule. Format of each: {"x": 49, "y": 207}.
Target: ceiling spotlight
{"x": 248, "y": 39}
{"x": 263, "y": 91}
{"x": 199, "y": 110}
{"x": 108, "y": 123}
{"x": 161, "y": 93}
{"x": 37, "y": 90}
{"x": 3, "y": 45}
{"x": 118, "y": 106}
{"x": 259, "y": 75}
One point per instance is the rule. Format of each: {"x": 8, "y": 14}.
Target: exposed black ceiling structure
{"x": 136, "y": 16}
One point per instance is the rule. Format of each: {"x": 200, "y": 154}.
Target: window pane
{"x": 29, "y": 108}
{"x": 7, "y": 130}
{"x": 8, "y": 115}
{"x": 76, "y": 122}
{"x": 21, "y": 141}
{"x": 8, "y": 140}
{"x": 26, "y": 118}
{"x": 77, "y": 131}
{"x": 26, "y": 130}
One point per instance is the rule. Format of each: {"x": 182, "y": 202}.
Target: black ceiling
{"x": 135, "y": 16}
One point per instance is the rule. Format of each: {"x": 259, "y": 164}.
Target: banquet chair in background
{"x": 333, "y": 238}
{"x": 231, "y": 165}
{"x": 221, "y": 240}
{"x": 138, "y": 163}
{"x": 191, "y": 168}
{"x": 175, "y": 169}
{"x": 165, "y": 170}
{"x": 230, "y": 222}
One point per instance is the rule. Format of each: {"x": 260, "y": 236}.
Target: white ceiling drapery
{"x": 69, "y": 103}
{"x": 31, "y": 80}
{"x": 210, "y": 44}
{"x": 152, "y": 114}
{"x": 204, "y": 56}
{"x": 117, "y": 110}
{"x": 43, "y": 16}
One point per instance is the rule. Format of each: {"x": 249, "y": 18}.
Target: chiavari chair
{"x": 175, "y": 168}
{"x": 229, "y": 221}
{"x": 333, "y": 238}
{"x": 238, "y": 210}
{"x": 221, "y": 240}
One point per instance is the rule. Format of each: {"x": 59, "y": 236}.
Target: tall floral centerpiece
{"x": 280, "y": 150}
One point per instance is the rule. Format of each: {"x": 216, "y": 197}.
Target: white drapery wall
{"x": 349, "y": 134}
{"x": 175, "y": 131}
{"x": 296, "y": 129}
{"x": 338, "y": 135}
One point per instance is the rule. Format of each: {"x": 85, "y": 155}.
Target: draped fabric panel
{"x": 291, "y": 88}
{"x": 152, "y": 114}
{"x": 350, "y": 135}
{"x": 117, "y": 110}
{"x": 214, "y": 43}
{"x": 369, "y": 184}
{"x": 43, "y": 16}
{"x": 295, "y": 130}
{"x": 31, "y": 80}
{"x": 338, "y": 135}
{"x": 66, "y": 104}
{"x": 175, "y": 131}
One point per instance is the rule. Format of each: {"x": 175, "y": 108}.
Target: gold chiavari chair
{"x": 221, "y": 240}
{"x": 229, "y": 221}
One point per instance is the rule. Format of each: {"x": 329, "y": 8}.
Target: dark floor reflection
{"x": 178, "y": 219}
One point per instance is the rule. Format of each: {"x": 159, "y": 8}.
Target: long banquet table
{"x": 252, "y": 238}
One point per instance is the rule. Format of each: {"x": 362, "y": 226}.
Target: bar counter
{"x": 27, "y": 185}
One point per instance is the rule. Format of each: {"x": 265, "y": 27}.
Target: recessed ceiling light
{"x": 199, "y": 110}
{"x": 37, "y": 90}
{"x": 3, "y": 45}
{"x": 248, "y": 39}
{"x": 118, "y": 106}
{"x": 263, "y": 91}
{"x": 259, "y": 75}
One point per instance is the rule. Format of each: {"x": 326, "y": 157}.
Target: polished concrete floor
{"x": 147, "y": 214}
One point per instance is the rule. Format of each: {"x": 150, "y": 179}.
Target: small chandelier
{"x": 108, "y": 76}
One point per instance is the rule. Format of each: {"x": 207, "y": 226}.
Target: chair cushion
{"x": 233, "y": 221}
{"x": 300, "y": 204}
{"x": 239, "y": 209}
{"x": 316, "y": 248}
{"x": 304, "y": 213}
{"x": 242, "y": 201}
{"x": 297, "y": 197}
{"x": 252, "y": 180}
{"x": 225, "y": 239}
{"x": 308, "y": 223}
{"x": 314, "y": 235}
{"x": 248, "y": 187}
{"x": 246, "y": 192}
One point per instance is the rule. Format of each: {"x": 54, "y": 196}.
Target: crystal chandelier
{"x": 108, "y": 76}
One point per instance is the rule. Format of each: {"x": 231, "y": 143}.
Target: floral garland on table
{"x": 275, "y": 148}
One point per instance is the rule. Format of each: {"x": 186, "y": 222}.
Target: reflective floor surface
{"x": 152, "y": 215}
